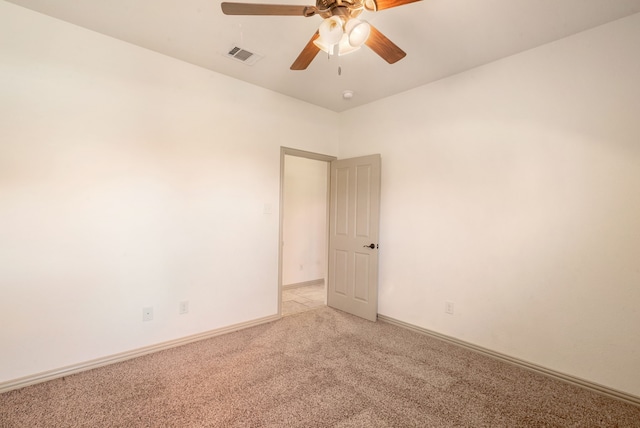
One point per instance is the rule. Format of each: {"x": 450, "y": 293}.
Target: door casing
{"x": 284, "y": 151}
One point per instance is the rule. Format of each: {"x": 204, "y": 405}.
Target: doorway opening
{"x": 304, "y": 230}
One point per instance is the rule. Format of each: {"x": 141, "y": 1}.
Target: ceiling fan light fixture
{"x": 331, "y": 31}
{"x": 344, "y": 47}
{"x": 322, "y": 46}
{"x": 358, "y": 32}
{"x": 354, "y": 34}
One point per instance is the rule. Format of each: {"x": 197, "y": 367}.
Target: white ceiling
{"x": 441, "y": 38}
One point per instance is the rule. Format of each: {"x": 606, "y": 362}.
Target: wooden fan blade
{"x": 374, "y": 5}
{"x": 307, "y": 55}
{"x": 384, "y": 47}
{"x": 267, "y": 9}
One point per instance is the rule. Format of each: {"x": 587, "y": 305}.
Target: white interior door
{"x": 353, "y": 236}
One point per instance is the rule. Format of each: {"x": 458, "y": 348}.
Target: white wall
{"x": 129, "y": 179}
{"x": 513, "y": 191}
{"x": 304, "y": 233}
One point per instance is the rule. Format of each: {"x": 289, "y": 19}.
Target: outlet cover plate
{"x": 184, "y": 307}
{"x": 448, "y": 308}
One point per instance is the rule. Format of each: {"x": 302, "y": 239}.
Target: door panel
{"x": 361, "y": 282}
{"x": 342, "y": 204}
{"x": 340, "y": 270}
{"x": 354, "y": 222}
{"x": 363, "y": 201}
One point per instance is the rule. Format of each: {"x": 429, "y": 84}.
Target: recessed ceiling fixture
{"x": 340, "y": 33}
{"x": 347, "y": 95}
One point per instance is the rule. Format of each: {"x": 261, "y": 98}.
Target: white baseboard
{"x": 303, "y": 284}
{"x": 620, "y": 395}
{"x": 116, "y": 358}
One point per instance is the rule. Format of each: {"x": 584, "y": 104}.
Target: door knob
{"x": 372, "y": 246}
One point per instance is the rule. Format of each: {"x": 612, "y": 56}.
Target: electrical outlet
{"x": 184, "y": 307}
{"x": 448, "y": 308}
{"x": 147, "y": 313}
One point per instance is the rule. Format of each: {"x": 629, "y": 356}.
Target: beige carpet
{"x": 321, "y": 368}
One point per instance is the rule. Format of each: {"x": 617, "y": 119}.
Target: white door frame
{"x": 309, "y": 155}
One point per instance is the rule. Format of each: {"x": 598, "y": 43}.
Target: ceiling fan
{"x": 341, "y": 31}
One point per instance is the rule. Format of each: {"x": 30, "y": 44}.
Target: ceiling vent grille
{"x": 243, "y": 55}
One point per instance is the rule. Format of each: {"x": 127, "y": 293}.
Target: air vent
{"x": 243, "y": 55}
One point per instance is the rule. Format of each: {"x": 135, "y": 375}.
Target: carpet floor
{"x": 321, "y": 368}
